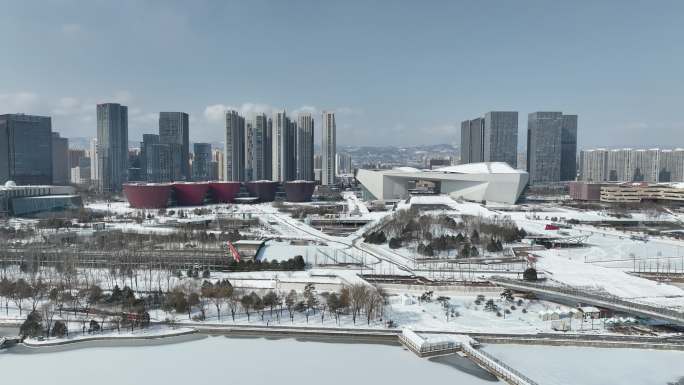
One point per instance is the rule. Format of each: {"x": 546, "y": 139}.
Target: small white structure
{"x": 576, "y": 314}
{"x": 555, "y": 314}
{"x": 562, "y": 325}
{"x": 424, "y": 346}
{"x": 590, "y": 312}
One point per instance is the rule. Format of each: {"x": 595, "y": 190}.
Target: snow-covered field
{"x": 573, "y": 266}
{"x": 600, "y": 265}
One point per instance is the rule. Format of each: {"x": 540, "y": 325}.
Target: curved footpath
{"x": 379, "y": 334}
{"x": 32, "y": 343}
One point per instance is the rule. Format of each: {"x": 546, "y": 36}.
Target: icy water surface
{"x": 220, "y": 360}
{"x": 570, "y": 365}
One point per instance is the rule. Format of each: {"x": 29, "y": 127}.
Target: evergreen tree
{"x": 33, "y": 325}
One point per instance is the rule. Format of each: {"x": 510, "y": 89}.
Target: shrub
{"x": 59, "y": 329}
{"x": 530, "y": 274}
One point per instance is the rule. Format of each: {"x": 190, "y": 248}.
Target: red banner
{"x": 233, "y": 251}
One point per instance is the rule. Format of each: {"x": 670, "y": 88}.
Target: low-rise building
{"x": 26, "y": 200}
{"x": 639, "y": 192}
{"x": 585, "y": 191}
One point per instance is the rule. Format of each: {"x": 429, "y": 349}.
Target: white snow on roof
{"x": 406, "y": 169}
{"x": 480, "y": 168}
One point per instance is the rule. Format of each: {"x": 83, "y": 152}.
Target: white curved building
{"x": 489, "y": 181}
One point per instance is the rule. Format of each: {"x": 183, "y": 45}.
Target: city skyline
{"x": 575, "y": 75}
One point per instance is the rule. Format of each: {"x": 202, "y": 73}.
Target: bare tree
{"x": 358, "y": 293}
{"x": 290, "y": 302}
{"x": 48, "y": 312}
{"x": 20, "y": 291}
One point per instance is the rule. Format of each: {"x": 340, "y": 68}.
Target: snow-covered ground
{"x": 600, "y": 265}
{"x": 154, "y": 331}
{"x": 578, "y": 266}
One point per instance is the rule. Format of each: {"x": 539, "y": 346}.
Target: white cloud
{"x": 143, "y": 120}
{"x": 24, "y": 102}
{"x": 71, "y": 29}
{"x": 306, "y": 109}
{"x": 215, "y": 113}
{"x": 348, "y": 111}
{"x": 69, "y": 105}
{"x": 121, "y": 97}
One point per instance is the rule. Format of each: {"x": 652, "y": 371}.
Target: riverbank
{"x": 370, "y": 335}
{"x": 154, "y": 332}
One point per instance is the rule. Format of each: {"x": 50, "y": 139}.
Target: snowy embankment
{"x": 155, "y": 331}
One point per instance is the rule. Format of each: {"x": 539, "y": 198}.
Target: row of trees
{"x": 54, "y": 307}
{"x": 356, "y": 300}
{"x": 81, "y": 299}
{"x": 293, "y": 264}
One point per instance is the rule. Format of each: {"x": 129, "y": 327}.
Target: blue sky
{"x": 396, "y": 72}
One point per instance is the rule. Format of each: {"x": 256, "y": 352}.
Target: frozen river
{"x": 569, "y": 365}
{"x": 221, "y": 360}
{"x": 198, "y": 360}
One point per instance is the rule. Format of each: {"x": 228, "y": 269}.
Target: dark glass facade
{"x": 174, "y": 130}
{"x": 26, "y": 149}
{"x": 201, "y": 162}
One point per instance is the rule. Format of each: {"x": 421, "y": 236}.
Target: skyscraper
{"x": 671, "y": 165}
{"x": 174, "y": 130}
{"x": 501, "y": 137}
{"x": 594, "y": 165}
{"x": 112, "y": 146}
{"x": 291, "y": 150}
{"x": 328, "y": 148}
{"x": 149, "y": 158}
{"x": 282, "y": 148}
{"x": 25, "y": 149}
{"x": 305, "y": 146}
{"x": 234, "y": 150}
{"x": 344, "y": 164}
{"x": 568, "y": 148}
{"x": 472, "y": 141}
{"x": 632, "y": 165}
{"x": 94, "y": 170}
{"x": 250, "y": 150}
{"x": 217, "y": 157}
{"x": 493, "y": 138}
{"x": 644, "y": 165}
{"x": 61, "y": 173}
{"x": 618, "y": 165}
{"x": 549, "y": 136}
{"x": 75, "y": 156}
{"x": 544, "y": 146}
{"x": 262, "y": 148}
{"x": 201, "y": 162}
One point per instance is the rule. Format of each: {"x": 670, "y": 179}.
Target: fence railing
{"x": 586, "y": 293}
{"x": 499, "y": 367}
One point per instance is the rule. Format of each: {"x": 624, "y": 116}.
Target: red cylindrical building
{"x": 147, "y": 195}
{"x": 299, "y": 190}
{"x": 224, "y": 192}
{"x": 190, "y": 194}
{"x": 265, "y": 190}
